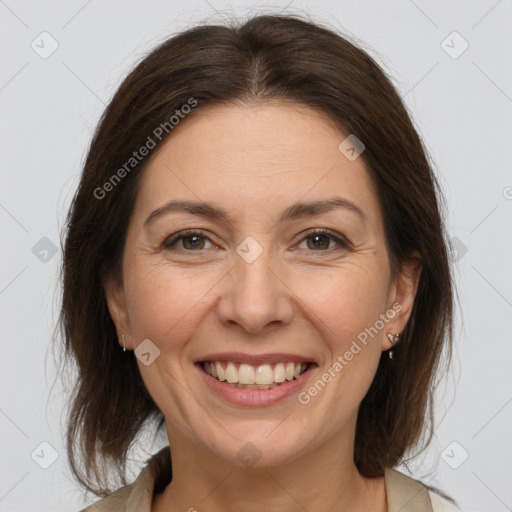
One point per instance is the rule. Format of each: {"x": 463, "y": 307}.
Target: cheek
{"x": 166, "y": 303}
{"x": 346, "y": 299}
{"x": 163, "y": 301}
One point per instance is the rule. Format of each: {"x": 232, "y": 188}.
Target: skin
{"x": 200, "y": 296}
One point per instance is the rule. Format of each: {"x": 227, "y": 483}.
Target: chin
{"x": 261, "y": 448}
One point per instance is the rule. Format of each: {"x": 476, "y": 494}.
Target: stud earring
{"x": 124, "y": 343}
{"x": 394, "y": 338}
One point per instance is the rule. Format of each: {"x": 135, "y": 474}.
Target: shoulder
{"x": 439, "y": 504}
{"x": 135, "y": 496}
{"x": 407, "y": 494}
{"x": 115, "y": 502}
{"x": 138, "y": 496}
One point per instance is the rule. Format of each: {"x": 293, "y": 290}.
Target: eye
{"x": 318, "y": 240}
{"x": 190, "y": 241}
{"x": 321, "y": 240}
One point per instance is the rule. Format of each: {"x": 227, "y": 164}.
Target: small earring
{"x": 124, "y": 343}
{"x": 394, "y": 338}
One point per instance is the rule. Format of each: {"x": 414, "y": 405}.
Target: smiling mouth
{"x": 248, "y": 376}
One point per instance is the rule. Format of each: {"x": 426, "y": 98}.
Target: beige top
{"x": 404, "y": 494}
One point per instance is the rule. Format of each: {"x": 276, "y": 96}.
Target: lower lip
{"x": 256, "y": 397}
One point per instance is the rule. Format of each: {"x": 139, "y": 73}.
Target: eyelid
{"x": 172, "y": 239}
{"x": 341, "y": 240}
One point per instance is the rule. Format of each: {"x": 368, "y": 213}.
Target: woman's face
{"x": 250, "y": 283}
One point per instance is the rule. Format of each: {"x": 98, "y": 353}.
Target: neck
{"x": 323, "y": 479}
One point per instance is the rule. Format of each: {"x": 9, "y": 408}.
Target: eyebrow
{"x": 295, "y": 211}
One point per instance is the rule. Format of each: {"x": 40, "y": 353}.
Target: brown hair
{"x": 267, "y": 58}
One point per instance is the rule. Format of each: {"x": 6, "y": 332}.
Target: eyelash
{"x": 173, "y": 239}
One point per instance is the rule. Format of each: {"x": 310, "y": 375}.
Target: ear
{"x": 114, "y": 294}
{"x": 402, "y": 295}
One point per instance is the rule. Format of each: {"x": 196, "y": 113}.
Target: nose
{"x": 255, "y": 298}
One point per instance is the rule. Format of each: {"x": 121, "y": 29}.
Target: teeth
{"x": 255, "y": 386}
{"x": 245, "y": 374}
{"x": 231, "y": 373}
{"x": 220, "y": 372}
{"x": 290, "y": 371}
{"x": 254, "y": 377}
{"x": 264, "y": 374}
{"x": 279, "y": 373}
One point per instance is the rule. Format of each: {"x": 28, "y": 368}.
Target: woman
{"x": 255, "y": 260}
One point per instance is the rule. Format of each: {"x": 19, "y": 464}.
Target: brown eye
{"x": 190, "y": 241}
{"x": 318, "y": 242}
{"x": 322, "y": 241}
{"x": 193, "y": 242}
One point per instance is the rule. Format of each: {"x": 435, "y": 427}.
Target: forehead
{"x": 257, "y": 157}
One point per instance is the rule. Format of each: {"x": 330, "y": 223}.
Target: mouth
{"x": 255, "y": 376}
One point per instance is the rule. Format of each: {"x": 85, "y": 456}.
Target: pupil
{"x": 317, "y": 240}
{"x": 194, "y": 240}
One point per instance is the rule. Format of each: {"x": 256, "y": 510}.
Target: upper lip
{"x": 255, "y": 359}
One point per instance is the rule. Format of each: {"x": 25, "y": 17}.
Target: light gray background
{"x": 462, "y": 107}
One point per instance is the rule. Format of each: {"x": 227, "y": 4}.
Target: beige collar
{"x": 404, "y": 494}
